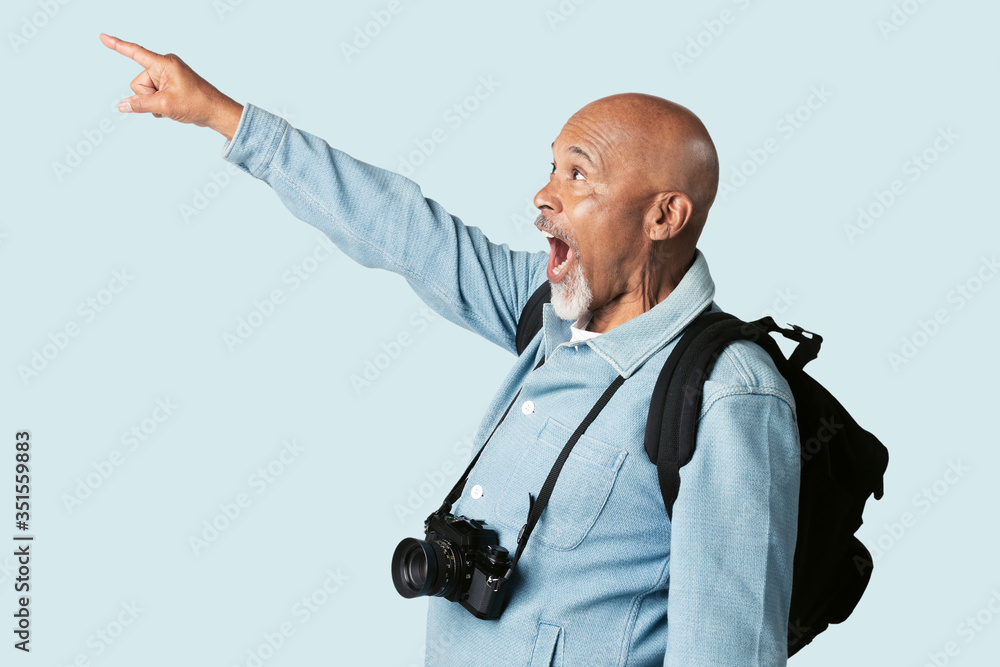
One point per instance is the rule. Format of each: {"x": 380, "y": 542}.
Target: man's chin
{"x": 568, "y": 314}
{"x": 571, "y": 298}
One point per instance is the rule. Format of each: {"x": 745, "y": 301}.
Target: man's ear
{"x": 668, "y": 215}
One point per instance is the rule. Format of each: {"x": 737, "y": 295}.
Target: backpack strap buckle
{"x": 807, "y": 349}
{"x": 808, "y": 346}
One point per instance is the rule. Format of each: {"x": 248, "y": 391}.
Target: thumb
{"x": 151, "y": 103}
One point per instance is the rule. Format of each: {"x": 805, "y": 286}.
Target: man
{"x": 606, "y": 578}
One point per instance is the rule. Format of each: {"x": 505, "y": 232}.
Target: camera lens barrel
{"x": 421, "y": 567}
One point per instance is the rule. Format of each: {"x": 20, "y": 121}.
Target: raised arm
{"x": 382, "y": 220}
{"x": 377, "y": 217}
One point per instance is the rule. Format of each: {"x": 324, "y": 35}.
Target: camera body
{"x": 461, "y": 560}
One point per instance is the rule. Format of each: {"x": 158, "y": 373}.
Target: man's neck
{"x": 630, "y": 305}
{"x": 605, "y": 320}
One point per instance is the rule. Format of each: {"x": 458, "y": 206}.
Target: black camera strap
{"x": 536, "y": 507}
{"x": 457, "y": 489}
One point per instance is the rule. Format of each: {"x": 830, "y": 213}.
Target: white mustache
{"x": 543, "y": 222}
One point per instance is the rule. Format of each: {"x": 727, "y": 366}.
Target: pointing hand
{"x": 168, "y": 87}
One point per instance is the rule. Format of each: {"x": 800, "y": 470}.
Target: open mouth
{"x": 560, "y": 255}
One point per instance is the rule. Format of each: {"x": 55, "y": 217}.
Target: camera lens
{"x": 420, "y": 568}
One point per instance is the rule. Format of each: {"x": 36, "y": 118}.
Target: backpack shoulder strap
{"x": 530, "y": 322}
{"x": 672, "y": 423}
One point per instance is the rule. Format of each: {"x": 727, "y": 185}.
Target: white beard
{"x": 571, "y": 296}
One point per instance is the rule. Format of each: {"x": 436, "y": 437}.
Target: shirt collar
{"x": 630, "y": 344}
{"x": 578, "y": 330}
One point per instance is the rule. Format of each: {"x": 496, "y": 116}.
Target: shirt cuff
{"x": 255, "y": 141}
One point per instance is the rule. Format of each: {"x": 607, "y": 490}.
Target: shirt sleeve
{"x": 732, "y": 539}
{"x": 382, "y": 220}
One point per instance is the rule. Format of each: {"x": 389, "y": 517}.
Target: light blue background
{"x": 780, "y": 237}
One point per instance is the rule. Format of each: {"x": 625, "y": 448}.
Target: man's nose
{"x": 548, "y": 198}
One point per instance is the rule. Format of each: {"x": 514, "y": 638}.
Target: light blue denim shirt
{"x": 606, "y": 578}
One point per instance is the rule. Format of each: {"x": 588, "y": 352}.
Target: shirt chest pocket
{"x": 579, "y": 495}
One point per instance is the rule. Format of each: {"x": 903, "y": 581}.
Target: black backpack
{"x": 842, "y": 463}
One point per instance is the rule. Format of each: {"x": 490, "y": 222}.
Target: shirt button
{"x": 527, "y": 407}
{"x": 476, "y": 492}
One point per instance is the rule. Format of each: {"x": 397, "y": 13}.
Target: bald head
{"x": 659, "y": 142}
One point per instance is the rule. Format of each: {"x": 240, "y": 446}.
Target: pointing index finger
{"x": 144, "y": 57}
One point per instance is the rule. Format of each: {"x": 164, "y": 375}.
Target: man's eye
{"x": 576, "y": 172}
